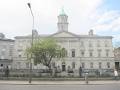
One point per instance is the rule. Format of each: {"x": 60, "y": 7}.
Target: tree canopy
{"x": 43, "y": 51}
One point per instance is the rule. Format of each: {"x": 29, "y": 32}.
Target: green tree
{"x": 43, "y": 51}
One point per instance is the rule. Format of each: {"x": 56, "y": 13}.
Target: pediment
{"x": 64, "y": 34}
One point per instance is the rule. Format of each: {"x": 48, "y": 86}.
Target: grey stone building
{"x": 90, "y": 51}
{"x": 117, "y": 58}
{"x": 6, "y": 51}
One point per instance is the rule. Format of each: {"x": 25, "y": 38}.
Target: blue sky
{"x": 112, "y": 4}
{"x": 103, "y": 16}
{"x": 111, "y": 19}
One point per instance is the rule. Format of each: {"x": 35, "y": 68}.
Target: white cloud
{"x": 15, "y": 18}
{"x": 108, "y": 21}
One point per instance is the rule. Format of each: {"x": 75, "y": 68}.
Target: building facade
{"x": 6, "y": 51}
{"x": 117, "y": 58}
{"x": 86, "y": 51}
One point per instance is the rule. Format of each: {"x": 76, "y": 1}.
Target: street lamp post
{"x": 30, "y": 72}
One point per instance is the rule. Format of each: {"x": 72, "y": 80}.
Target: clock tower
{"x": 62, "y": 22}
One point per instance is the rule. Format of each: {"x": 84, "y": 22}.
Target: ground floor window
{"x": 63, "y": 66}
{"x": 117, "y": 65}
{"x": 108, "y": 64}
{"x": 91, "y": 65}
{"x": 27, "y": 65}
{"x": 100, "y": 65}
{"x": 83, "y": 65}
{"x": 73, "y": 65}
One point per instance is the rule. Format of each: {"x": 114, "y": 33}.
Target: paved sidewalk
{"x": 57, "y": 82}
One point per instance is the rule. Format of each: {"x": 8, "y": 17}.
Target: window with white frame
{"x": 98, "y": 43}
{"x": 83, "y": 65}
{"x": 108, "y": 64}
{"x": 82, "y": 53}
{"x": 91, "y": 65}
{"x": 81, "y": 44}
{"x": 73, "y": 65}
{"x": 91, "y": 53}
{"x": 73, "y": 52}
{"x": 106, "y": 43}
{"x": 90, "y": 44}
{"x": 100, "y": 65}
{"x": 107, "y": 52}
{"x": 99, "y": 52}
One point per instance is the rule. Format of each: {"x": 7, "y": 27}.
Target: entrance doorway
{"x": 63, "y": 66}
{"x": 117, "y": 65}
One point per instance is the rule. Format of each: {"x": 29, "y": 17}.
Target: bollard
{"x": 86, "y": 78}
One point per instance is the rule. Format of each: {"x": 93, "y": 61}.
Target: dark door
{"x": 117, "y": 65}
{"x": 63, "y": 68}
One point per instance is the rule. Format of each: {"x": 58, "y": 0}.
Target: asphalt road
{"x": 61, "y": 87}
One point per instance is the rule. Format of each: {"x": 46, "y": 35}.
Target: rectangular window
{"x": 106, "y": 44}
{"x": 108, "y": 64}
{"x": 107, "y": 53}
{"x": 99, "y": 53}
{"x": 91, "y": 65}
{"x": 27, "y": 65}
{"x": 82, "y": 53}
{"x": 73, "y": 65}
{"x": 83, "y": 65}
{"x": 73, "y": 53}
{"x": 100, "y": 65}
{"x": 82, "y": 44}
{"x": 98, "y": 43}
{"x": 90, "y": 44}
{"x": 91, "y": 54}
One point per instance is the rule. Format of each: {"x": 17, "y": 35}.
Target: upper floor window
{"x": 107, "y": 53}
{"x": 99, "y": 52}
{"x": 91, "y": 65}
{"x": 82, "y": 53}
{"x": 81, "y": 43}
{"x": 108, "y": 64}
{"x": 100, "y": 65}
{"x": 98, "y": 43}
{"x": 73, "y": 52}
{"x": 106, "y": 43}
{"x": 91, "y": 54}
{"x": 83, "y": 65}
{"x": 73, "y": 65}
{"x": 27, "y": 65}
{"x": 90, "y": 44}
{"x": 63, "y": 53}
